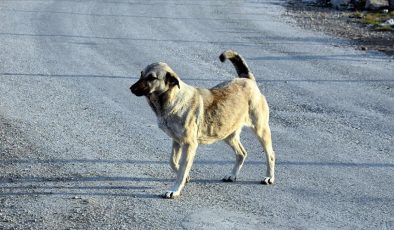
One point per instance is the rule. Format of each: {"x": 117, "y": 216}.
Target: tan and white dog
{"x": 192, "y": 116}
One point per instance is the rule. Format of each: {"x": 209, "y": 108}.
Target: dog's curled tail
{"x": 239, "y": 63}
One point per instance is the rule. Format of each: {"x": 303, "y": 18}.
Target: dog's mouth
{"x": 139, "y": 91}
{"x": 138, "y": 94}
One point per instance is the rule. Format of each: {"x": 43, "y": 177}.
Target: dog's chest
{"x": 171, "y": 127}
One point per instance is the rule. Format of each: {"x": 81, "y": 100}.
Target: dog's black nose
{"x": 132, "y": 89}
{"x": 136, "y": 90}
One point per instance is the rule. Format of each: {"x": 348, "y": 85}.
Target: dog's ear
{"x": 172, "y": 79}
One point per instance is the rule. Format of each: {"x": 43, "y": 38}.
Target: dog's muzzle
{"x": 138, "y": 90}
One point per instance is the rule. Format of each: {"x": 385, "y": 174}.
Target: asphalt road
{"x": 79, "y": 151}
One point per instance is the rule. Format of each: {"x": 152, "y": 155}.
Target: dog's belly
{"x": 210, "y": 138}
{"x": 206, "y": 140}
{"x": 213, "y": 133}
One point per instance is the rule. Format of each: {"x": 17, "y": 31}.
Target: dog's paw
{"x": 229, "y": 179}
{"x": 170, "y": 195}
{"x": 268, "y": 181}
{"x": 188, "y": 179}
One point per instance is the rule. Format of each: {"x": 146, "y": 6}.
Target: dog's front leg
{"x": 175, "y": 155}
{"x": 186, "y": 162}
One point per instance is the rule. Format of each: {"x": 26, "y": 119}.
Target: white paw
{"x": 170, "y": 195}
{"x": 268, "y": 181}
{"x": 229, "y": 179}
{"x": 187, "y": 179}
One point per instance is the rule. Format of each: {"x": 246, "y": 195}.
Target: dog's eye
{"x": 150, "y": 78}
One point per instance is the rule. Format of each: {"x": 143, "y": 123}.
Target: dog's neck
{"x": 168, "y": 101}
{"x": 156, "y": 102}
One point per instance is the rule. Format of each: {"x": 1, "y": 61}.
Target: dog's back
{"x": 227, "y": 106}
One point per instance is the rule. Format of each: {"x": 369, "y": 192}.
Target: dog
{"x": 193, "y": 116}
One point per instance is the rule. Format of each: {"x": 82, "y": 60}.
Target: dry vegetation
{"x": 364, "y": 29}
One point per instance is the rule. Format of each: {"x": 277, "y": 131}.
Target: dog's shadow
{"x": 81, "y": 186}
{"x": 146, "y": 187}
{"x": 219, "y": 181}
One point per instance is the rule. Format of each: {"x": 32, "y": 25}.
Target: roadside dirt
{"x": 340, "y": 24}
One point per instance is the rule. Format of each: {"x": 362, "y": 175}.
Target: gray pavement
{"x": 78, "y": 151}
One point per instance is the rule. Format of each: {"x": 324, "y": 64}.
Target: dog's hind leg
{"x": 175, "y": 156}
{"x": 265, "y": 139}
{"x": 240, "y": 154}
{"x": 264, "y": 135}
{"x": 263, "y": 132}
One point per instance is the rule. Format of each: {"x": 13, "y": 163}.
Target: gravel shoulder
{"x": 340, "y": 23}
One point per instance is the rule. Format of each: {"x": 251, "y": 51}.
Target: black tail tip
{"x": 222, "y": 57}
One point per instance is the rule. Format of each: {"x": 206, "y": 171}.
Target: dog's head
{"x": 156, "y": 78}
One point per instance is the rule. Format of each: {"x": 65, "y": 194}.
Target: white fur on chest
{"x": 171, "y": 127}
